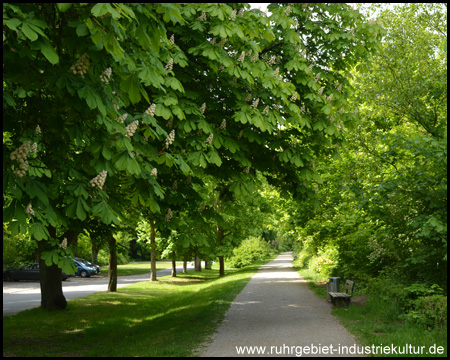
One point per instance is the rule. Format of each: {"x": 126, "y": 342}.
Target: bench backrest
{"x": 349, "y": 286}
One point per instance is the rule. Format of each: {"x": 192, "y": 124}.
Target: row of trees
{"x": 384, "y": 206}
{"x": 119, "y": 112}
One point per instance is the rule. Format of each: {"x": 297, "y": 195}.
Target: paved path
{"x": 277, "y": 310}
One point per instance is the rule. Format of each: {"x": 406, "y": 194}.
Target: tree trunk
{"x": 185, "y": 267}
{"x": 197, "y": 263}
{"x": 95, "y": 249}
{"x": 208, "y": 264}
{"x": 112, "y": 271}
{"x": 174, "y": 265}
{"x": 52, "y": 297}
{"x": 153, "y": 250}
{"x": 220, "y": 236}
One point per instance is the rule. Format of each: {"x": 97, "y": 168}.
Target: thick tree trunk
{"x": 220, "y": 236}
{"x": 153, "y": 250}
{"x": 174, "y": 265}
{"x": 112, "y": 271}
{"x": 52, "y": 296}
{"x": 185, "y": 267}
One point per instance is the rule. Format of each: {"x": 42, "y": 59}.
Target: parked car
{"x": 83, "y": 270}
{"x": 26, "y": 272}
{"x": 96, "y": 267}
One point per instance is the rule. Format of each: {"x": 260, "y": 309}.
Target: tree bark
{"x": 112, "y": 271}
{"x": 153, "y": 250}
{"x": 52, "y": 297}
{"x": 197, "y": 263}
{"x": 208, "y": 264}
{"x": 185, "y": 267}
{"x": 174, "y": 265}
{"x": 220, "y": 236}
{"x": 95, "y": 249}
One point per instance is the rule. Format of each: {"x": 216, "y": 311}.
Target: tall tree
{"x": 100, "y": 97}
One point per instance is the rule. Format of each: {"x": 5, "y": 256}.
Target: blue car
{"x": 83, "y": 270}
{"x": 96, "y": 267}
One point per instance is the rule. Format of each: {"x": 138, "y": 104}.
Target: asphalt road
{"x": 22, "y": 295}
{"x": 276, "y": 314}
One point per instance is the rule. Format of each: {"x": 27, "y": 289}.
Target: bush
{"x": 430, "y": 311}
{"x": 251, "y": 250}
{"x": 325, "y": 262}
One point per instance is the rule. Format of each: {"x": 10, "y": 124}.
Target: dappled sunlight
{"x": 72, "y": 331}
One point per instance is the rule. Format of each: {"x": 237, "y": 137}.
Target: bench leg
{"x": 341, "y": 302}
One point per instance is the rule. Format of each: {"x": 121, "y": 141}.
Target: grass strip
{"x": 170, "y": 317}
{"x": 139, "y": 268}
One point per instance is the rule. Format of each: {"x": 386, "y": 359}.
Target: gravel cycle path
{"x": 278, "y": 311}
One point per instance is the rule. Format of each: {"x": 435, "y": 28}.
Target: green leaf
{"x": 326, "y": 109}
{"x": 214, "y": 158}
{"x": 121, "y": 161}
{"x": 100, "y": 9}
{"x": 202, "y": 160}
{"x": 80, "y": 211}
{"x": 29, "y": 33}
{"x": 103, "y": 211}
{"x": 131, "y": 86}
{"x": 106, "y": 152}
{"x": 62, "y": 7}
{"x": 39, "y": 231}
{"x": 174, "y": 84}
{"x": 49, "y": 53}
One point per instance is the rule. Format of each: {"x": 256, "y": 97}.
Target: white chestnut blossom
{"x": 202, "y": 17}
{"x": 63, "y": 244}
{"x": 170, "y": 138}
{"x": 169, "y": 65}
{"x": 20, "y": 154}
{"x": 233, "y": 15}
{"x": 242, "y": 57}
{"x": 99, "y": 180}
{"x": 151, "y": 110}
{"x": 168, "y": 215}
{"x": 209, "y": 139}
{"x": 106, "y": 75}
{"x": 131, "y": 128}
{"x": 255, "y": 103}
{"x": 29, "y": 210}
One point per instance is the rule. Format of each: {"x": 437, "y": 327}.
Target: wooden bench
{"x": 342, "y": 299}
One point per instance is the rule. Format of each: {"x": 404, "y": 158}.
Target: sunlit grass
{"x": 171, "y": 317}
{"x": 138, "y": 268}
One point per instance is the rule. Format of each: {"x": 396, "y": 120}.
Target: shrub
{"x": 325, "y": 262}
{"x": 251, "y": 250}
{"x": 430, "y": 311}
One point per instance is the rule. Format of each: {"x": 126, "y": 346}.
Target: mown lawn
{"x": 171, "y": 317}
{"x": 138, "y": 268}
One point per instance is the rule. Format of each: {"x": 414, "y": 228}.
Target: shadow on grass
{"x": 143, "y": 319}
